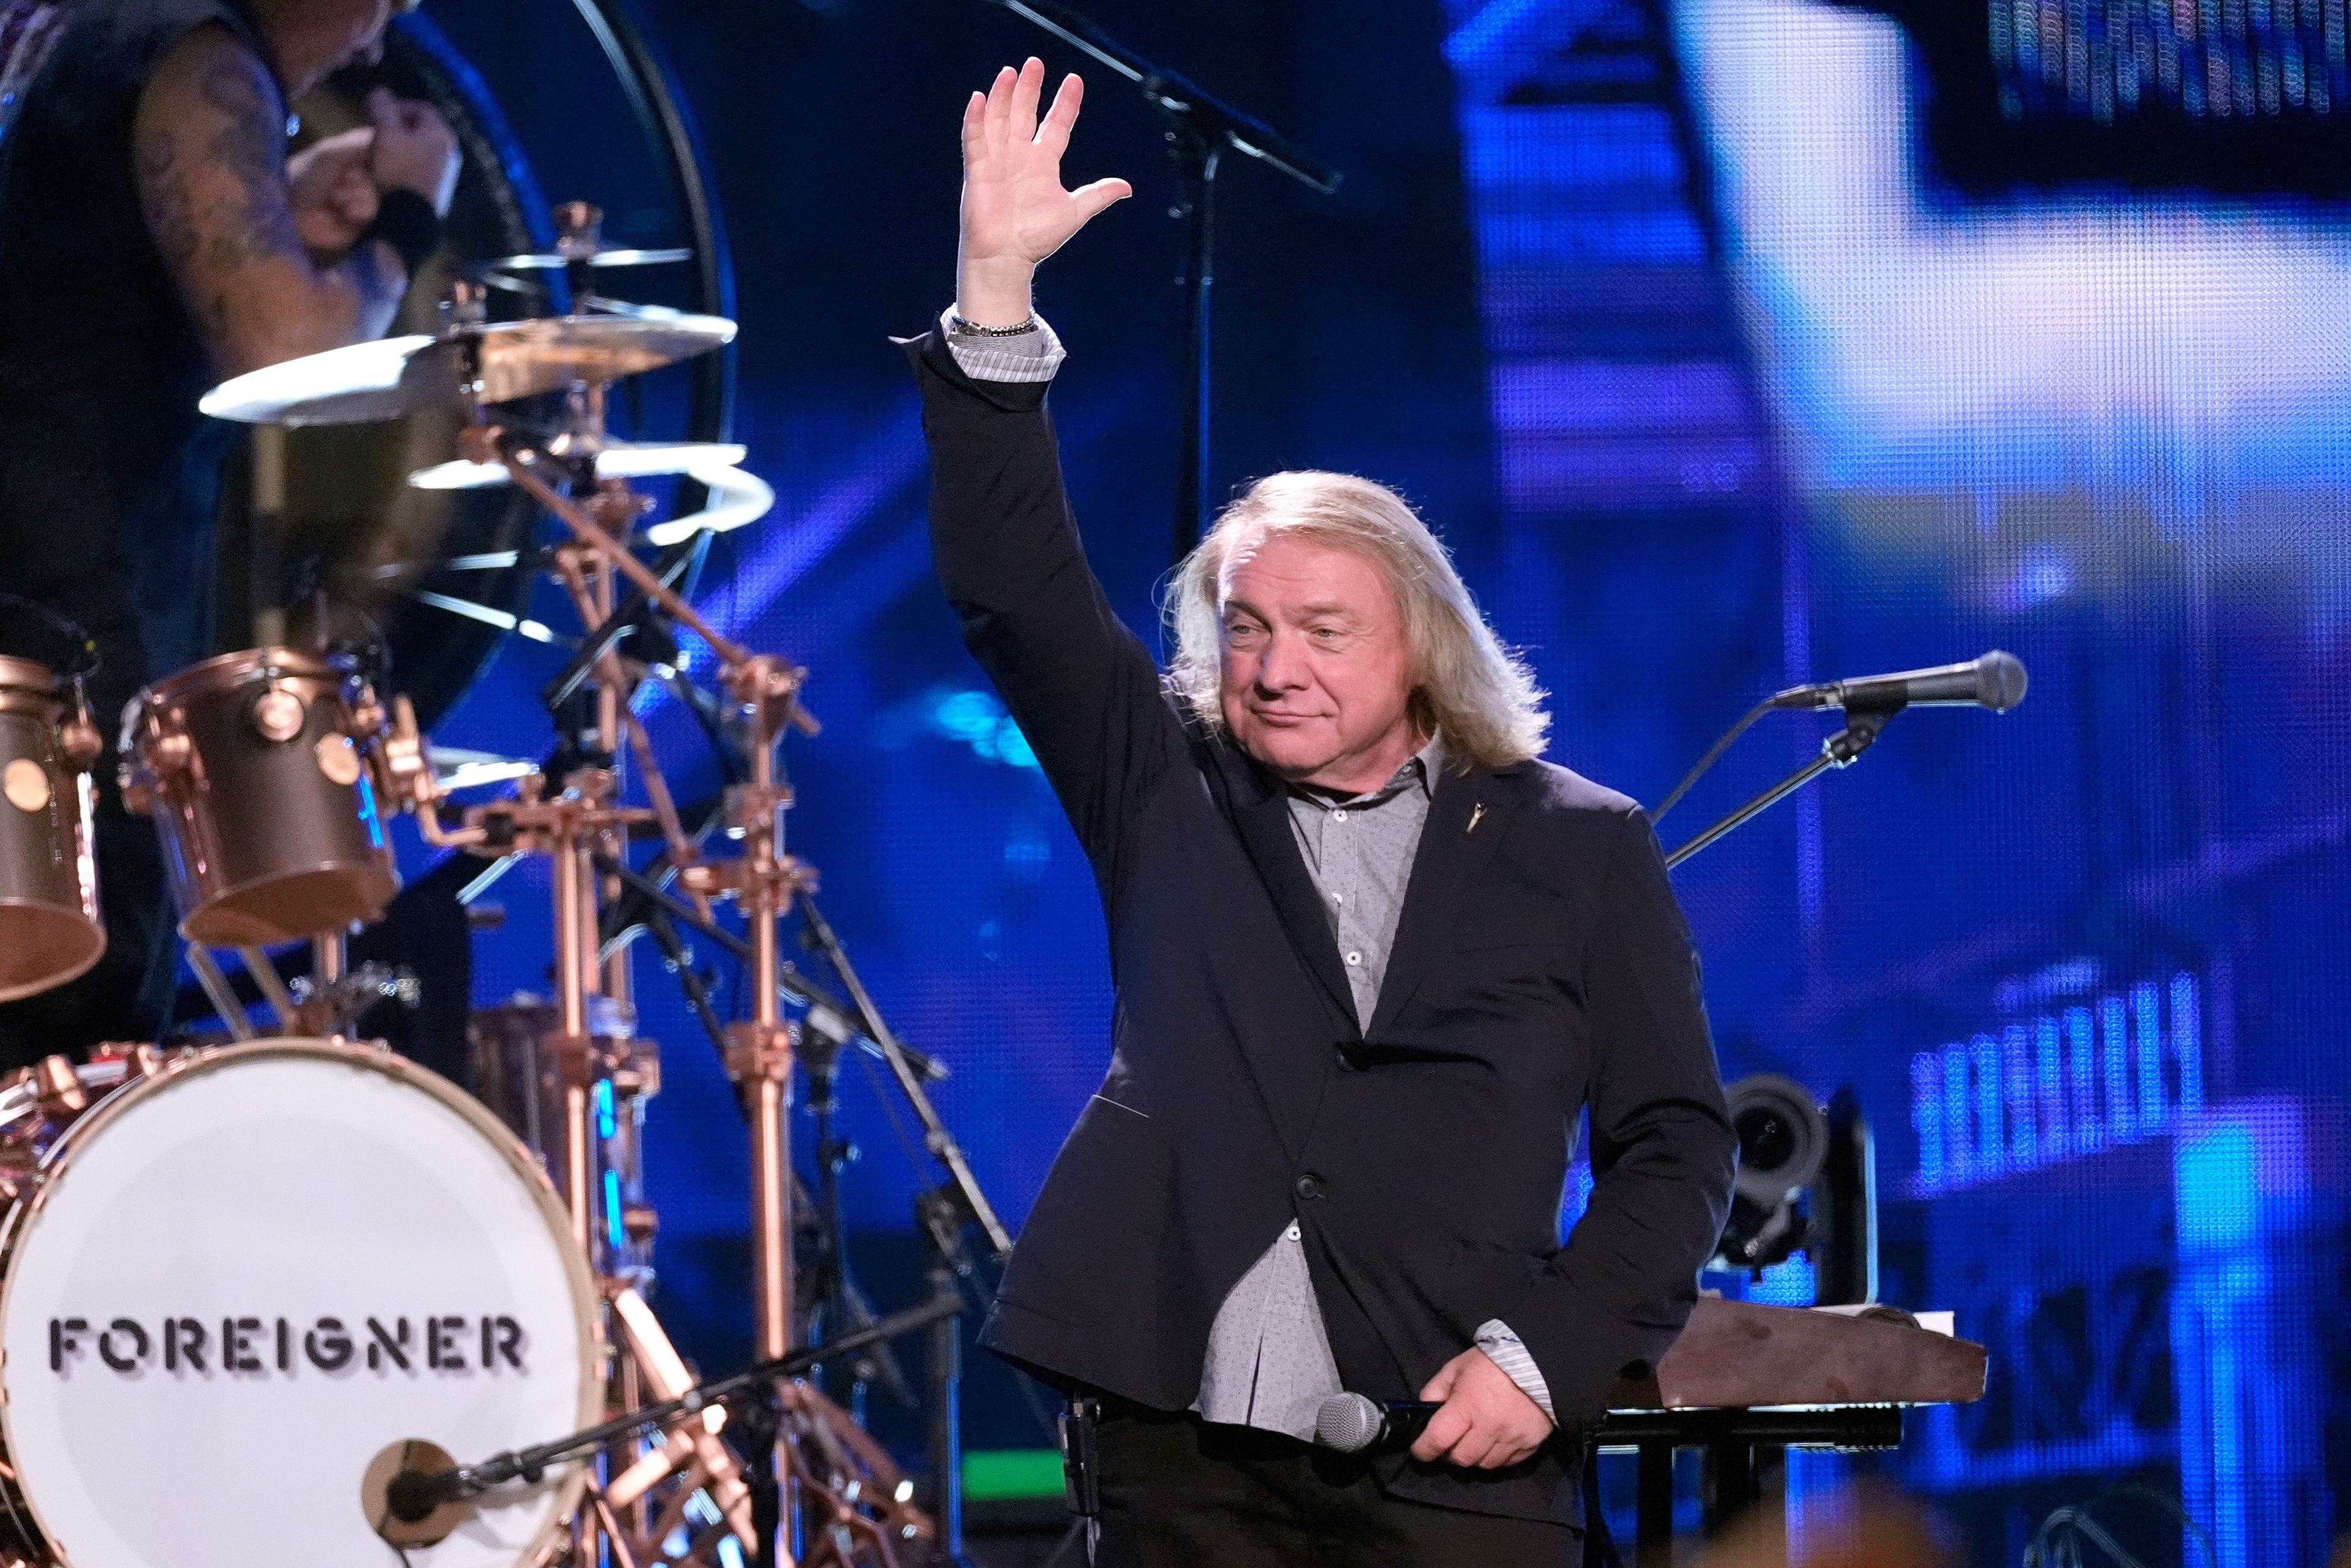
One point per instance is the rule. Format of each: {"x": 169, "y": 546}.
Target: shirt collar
{"x": 1419, "y": 771}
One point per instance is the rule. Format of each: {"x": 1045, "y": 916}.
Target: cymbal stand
{"x": 567, "y": 828}
{"x": 764, "y": 693}
{"x": 943, "y": 1212}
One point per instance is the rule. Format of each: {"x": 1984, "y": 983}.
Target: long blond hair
{"x": 1465, "y": 685}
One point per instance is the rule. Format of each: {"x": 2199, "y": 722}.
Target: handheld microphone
{"x": 1995, "y": 680}
{"x": 1353, "y": 1423}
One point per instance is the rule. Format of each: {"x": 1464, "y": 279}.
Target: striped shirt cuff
{"x": 1030, "y": 356}
{"x": 1506, "y": 1350}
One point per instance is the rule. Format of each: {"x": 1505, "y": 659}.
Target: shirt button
{"x": 1309, "y": 1186}
{"x": 1354, "y": 957}
{"x": 1339, "y": 815}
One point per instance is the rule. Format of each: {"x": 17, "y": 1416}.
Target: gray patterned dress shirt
{"x": 1268, "y": 1364}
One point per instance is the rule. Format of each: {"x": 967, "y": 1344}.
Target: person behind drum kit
{"x": 154, "y": 239}
{"x": 1372, "y": 957}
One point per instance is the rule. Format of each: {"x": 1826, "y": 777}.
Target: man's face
{"x": 1317, "y": 682}
{"x": 314, "y": 38}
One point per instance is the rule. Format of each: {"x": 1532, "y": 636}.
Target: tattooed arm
{"x": 210, "y": 146}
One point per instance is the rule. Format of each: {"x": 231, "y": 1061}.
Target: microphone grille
{"x": 2000, "y": 678}
{"x": 1347, "y": 1422}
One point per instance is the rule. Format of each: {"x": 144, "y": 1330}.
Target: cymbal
{"x": 547, "y": 353}
{"x": 350, "y": 385}
{"x": 618, "y": 460}
{"x": 454, "y": 768}
{"x": 555, "y": 261}
{"x": 515, "y": 359}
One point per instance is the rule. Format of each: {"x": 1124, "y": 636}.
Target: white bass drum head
{"x": 242, "y": 1281}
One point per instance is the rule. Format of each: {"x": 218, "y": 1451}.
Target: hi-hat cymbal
{"x": 618, "y": 460}
{"x": 555, "y": 261}
{"x": 513, "y": 360}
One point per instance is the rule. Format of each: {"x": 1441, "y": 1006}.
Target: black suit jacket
{"x": 1541, "y": 965}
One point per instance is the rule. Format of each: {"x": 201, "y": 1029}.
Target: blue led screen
{"x": 1716, "y": 378}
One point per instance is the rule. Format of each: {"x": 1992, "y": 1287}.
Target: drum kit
{"x": 251, "y": 1292}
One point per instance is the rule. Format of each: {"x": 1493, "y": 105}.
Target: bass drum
{"x": 242, "y": 1278}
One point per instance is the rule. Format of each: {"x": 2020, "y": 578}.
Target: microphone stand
{"x": 1839, "y": 750}
{"x": 943, "y": 1212}
{"x": 419, "y": 1494}
{"x": 1200, "y": 127}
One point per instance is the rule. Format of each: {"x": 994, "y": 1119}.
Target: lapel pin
{"x": 1475, "y": 812}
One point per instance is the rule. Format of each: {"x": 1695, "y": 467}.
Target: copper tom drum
{"x": 255, "y": 767}
{"x": 49, "y": 926}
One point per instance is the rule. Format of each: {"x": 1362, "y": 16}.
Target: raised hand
{"x": 1015, "y": 212}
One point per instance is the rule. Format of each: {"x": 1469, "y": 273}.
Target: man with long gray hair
{"x": 1372, "y": 958}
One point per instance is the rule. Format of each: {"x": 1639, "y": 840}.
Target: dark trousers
{"x": 1178, "y": 1492}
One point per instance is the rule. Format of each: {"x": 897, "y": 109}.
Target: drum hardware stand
{"x": 325, "y": 1005}
{"x": 941, "y": 1212}
{"x": 217, "y": 989}
{"x": 574, "y": 825}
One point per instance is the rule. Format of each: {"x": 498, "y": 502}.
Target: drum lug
{"x": 277, "y": 714}
{"x": 78, "y": 739}
{"x": 140, "y": 1061}
{"x": 58, "y": 1089}
{"x": 170, "y": 752}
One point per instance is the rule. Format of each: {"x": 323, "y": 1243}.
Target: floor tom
{"x": 49, "y": 925}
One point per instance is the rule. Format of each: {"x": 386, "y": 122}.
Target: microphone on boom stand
{"x": 413, "y": 1494}
{"x": 1995, "y": 680}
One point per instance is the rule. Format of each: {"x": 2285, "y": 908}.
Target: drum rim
{"x": 239, "y": 666}
{"x": 22, "y": 675}
{"x": 382, "y": 861}
{"x": 570, "y": 1493}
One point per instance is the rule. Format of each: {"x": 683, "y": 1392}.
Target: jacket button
{"x": 1309, "y": 1186}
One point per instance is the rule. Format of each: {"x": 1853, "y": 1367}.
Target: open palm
{"x": 1015, "y": 212}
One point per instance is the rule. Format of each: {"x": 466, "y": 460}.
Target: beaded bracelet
{"x": 957, "y": 323}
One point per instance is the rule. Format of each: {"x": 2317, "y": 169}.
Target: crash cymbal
{"x": 618, "y": 460}
{"x": 513, "y": 360}
{"x": 348, "y": 385}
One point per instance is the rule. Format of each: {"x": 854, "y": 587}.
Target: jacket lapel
{"x": 1467, "y": 819}
{"x": 1260, "y": 811}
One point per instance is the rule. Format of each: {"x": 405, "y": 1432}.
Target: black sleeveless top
{"x": 109, "y": 476}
